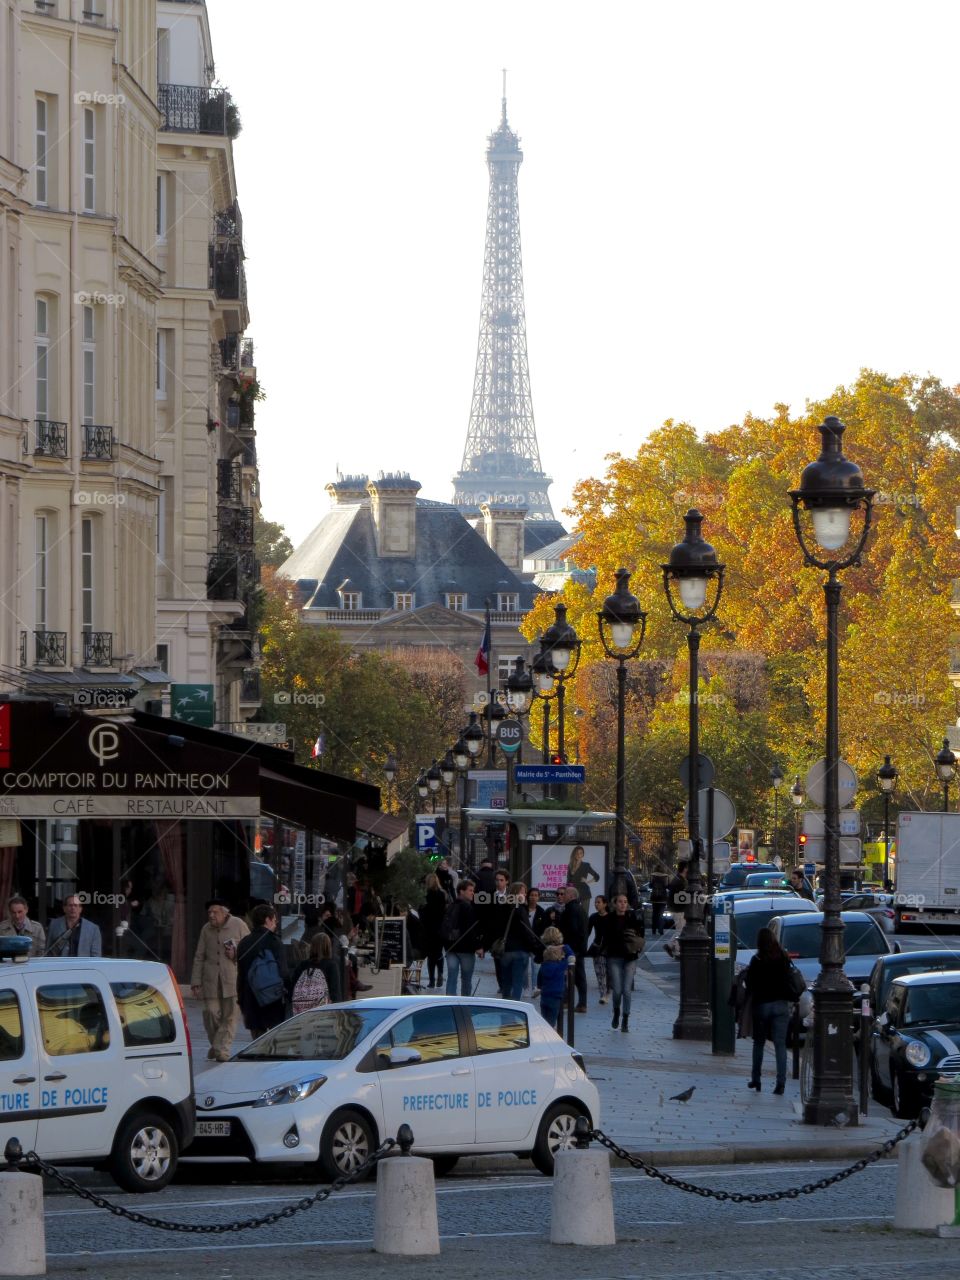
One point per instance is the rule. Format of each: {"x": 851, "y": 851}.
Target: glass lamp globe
{"x": 693, "y": 593}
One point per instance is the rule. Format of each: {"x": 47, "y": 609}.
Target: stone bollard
{"x": 921, "y": 1204}
{"x": 582, "y": 1208}
{"x": 24, "y": 1251}
{"x": 405, "y": 1212}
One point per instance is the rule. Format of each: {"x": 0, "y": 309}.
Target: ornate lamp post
{"x": 946, "y": 763}
{"x": 831, "y": 490}
{"x": 776, "y": 781}
{"x": 797, "y": 797}
{"x": 693, "y": 568}
{"x": 390, "y": 774}
{"x": 433, "y": 784}
{"x": 448, "y": 776}
{"x": 886, "y": 780}
{"x": 493, "y": 713}
{"x": 544, "y": 689}
{"x": 472, "y": 736}
{"x": 560, "y": 646}
{"x": 423, "y": 789}
{"x": 520, "y": 696}
{"x": 622, "y": 625}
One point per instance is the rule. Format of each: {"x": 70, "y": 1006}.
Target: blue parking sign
{"x": 426, "y": 832}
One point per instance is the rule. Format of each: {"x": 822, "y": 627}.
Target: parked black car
{"x": 915, "y": 1040}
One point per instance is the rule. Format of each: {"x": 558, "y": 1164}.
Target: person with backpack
{"x": 557, "y": 958}
{"x": 310, "y": 985}
{"x": 262, "y": 981}
{"x": 462, "y": 935}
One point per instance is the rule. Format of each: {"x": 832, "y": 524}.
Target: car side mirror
{"x": 897, "y": 948}
{"x": 883, "y": 1021}
{"x": 403, "y": 1057}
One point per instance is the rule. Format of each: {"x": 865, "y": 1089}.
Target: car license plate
{"x": 212, "y": 1129}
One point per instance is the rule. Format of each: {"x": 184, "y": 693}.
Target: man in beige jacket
{"x": 214, "y": 976}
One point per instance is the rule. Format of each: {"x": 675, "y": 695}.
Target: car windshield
{"x": 324, "y": 1034}
{"x": 749, "y": 924}
{"x": 860, "y": 938}
{"x": 932, "y": 1004}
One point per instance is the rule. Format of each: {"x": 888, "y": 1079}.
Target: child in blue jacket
{"x": 553, "y": 974}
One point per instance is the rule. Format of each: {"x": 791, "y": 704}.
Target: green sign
{"x": 193, "y": 703}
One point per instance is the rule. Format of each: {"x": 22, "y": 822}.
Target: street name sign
{"x": 550, "y": 774}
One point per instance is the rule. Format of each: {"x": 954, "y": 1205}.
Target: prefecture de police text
{"x": 460, "y": 1101}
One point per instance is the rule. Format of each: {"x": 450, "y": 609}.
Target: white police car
{"x": 467, "y": 1075}
{"x": 95, "y": 1064}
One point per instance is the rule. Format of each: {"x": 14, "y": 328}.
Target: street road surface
{"x": 497, "y": 1226}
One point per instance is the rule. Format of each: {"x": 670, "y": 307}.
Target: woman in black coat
{"x": 258, "y": 1018}
{"x": 768, "y": 987}
{"x": 431, "y": 921}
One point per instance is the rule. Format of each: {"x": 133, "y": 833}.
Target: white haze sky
{"x": 723, "y": 205}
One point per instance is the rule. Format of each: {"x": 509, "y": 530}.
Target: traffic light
{"x": 802, "y": 842}
{"x": 557, "y": 758}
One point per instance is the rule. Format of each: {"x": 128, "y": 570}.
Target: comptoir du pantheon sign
{"x": 85, "y": 767}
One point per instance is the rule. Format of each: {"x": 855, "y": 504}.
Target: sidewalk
{"x": 638, "y": 1074}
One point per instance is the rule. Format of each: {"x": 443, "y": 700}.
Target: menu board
{"x": 390, "y": 941}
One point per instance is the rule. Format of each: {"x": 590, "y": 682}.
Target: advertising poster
{"x": 554, "y": 865}
{"x": 745, "y": 844}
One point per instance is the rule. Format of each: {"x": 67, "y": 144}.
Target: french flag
{"x": 482, "y": 660}
{"x": 318, "y": 746}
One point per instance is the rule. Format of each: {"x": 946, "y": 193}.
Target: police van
{"x": 95, "y": 1064}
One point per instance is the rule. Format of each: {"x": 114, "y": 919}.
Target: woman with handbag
{"x": 623, "y": 942}
{"x": 596, "y": 925}
{"x": 769, "y": 986}
{"x": 518, "y": 944}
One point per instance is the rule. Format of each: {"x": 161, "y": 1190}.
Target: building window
{"x": 41, "y": 558}
{"x": 505, "y": 668}
{"x": 403, "y": 601}
{"x": 350, "y": 601}
{"x": 457, "y": 601}
{"x": 162, "y": 183}
{"x": 508, "y": 602}
{"x": 89, "y": 358}
{"x": 40, "y": 151}
{"x": 89, "y": 160}
{"x": 41, "y": 359}
{"x": 163, "y": 657}
{"x": 162, "y": 356}
{"x": 86, "y": 574}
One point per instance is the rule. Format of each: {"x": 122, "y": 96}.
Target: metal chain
{"x": 207, "y": 1228}
{"x": 754, "y": 1197}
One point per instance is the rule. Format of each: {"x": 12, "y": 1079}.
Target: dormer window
{"x": 350, "y": 601}
{"x": 456, "y": 600}
{"x": 403, "y": 601}
{"x": 508, "y": 602}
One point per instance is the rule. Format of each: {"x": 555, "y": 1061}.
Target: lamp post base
{"x": 694, "y": 1020}
{"x": 832, "y": 1100}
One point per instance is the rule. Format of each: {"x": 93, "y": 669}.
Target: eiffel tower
{"x": 501, "y": 461}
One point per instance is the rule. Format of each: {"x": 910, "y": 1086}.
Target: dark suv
{"x": 735, "y": 877}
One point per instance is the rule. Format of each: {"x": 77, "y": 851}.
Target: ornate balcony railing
{"x": 231, "y": 575}
{"x": 228, "y": 279}
{"x": 97, "y": 648}
{"x": 228, "y": 224}
{"x": 23, "y": 648}
{"x": 188, "y": 108}
{"x": 51, "y": 439}
{"x": 97, "y": 443}
{"x": 51, "y": 648}
{"x": 235, "y": 526}
{"x": 229, "y": 480}
{"x": 236, "y": 353}
{"x": 250, "y": 686}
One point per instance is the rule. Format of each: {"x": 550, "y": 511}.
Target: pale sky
{"x": 723, "y": 205}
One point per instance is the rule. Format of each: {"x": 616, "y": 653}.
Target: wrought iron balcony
{"x": 97, "y": 648}
{"x": 48, "y": 7}
{"x": 188, "y": 108}
{"x": 223, "y": 576}
{"x": 23, "y": 648}
{"x": 91, "y": 15}
{"x": 51, "y": 648}
{"x": 97, "y": 443}
{"x": 228, "y": 279}
{"x": 236, "y": 353}
{"x": 229, "y": 480}
{"x": 51, "y": 439}
{"x": 228, "y": 224}
{"x": 235, "y": 527}
{"x": 250, "y": 454}
{"x": 250, "y": 686}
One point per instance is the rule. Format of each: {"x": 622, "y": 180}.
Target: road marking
{"x": 286, "y": 1244}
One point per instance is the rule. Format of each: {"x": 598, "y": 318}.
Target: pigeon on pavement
{"x": 685, "y": 1096}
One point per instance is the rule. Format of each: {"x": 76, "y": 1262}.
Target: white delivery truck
{"x": 928, "y": 870}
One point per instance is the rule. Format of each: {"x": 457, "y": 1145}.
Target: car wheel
{"x": 556, "y": 1133}
{"x": 442, "y": 1165}
{"x": 145, "y": 1152}
{"x": 347, "y": 1141}
{"x": 906, "y": 1104}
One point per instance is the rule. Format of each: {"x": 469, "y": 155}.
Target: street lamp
{"x": 519, "y": 697}
{"x": 832, "y": 490}
{"x": 493, "y": 713}
{"x": 886, "y": 780}
{"x": 473, "y": 736}
{"x": 390, "y": 774}
{"x": 560, "y": 646}
{"x": 423, "y": 789}
{"x": 692, "y": 568}
{"x": 776, "y": 780}
{"x": 946, "y": 763}
{"x": 433, "y": 785}
{"x": 622, "y": 624}
{"x": 797, "y": 797}
{"x": 448, "y": 774}
{"x": 544, "y": 689}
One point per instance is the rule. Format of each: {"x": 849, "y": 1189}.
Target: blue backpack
{"x": 264, "y": 979}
